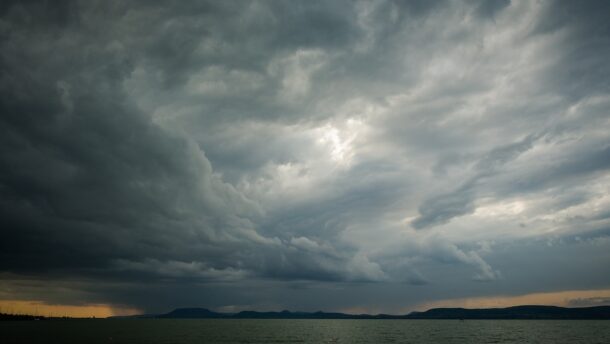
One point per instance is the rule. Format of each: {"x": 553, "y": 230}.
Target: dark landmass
{"x": 9, "y": 317}
{"x": 518, "y": 312}
{"x": 193, "y": 313}
{"x": 27, "y": 317}
{"x": 137, "y": 316}
{"x": 202, "y": 313}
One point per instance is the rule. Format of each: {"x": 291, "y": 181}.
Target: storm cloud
{"x": 303, "y": 155}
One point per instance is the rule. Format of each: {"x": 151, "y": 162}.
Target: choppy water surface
{"x": 305, "y": 331}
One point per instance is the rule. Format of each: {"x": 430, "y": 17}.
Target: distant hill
{"x": 202, "y": 313}
{"x": 298, "y": 315}
{"x": 193, "y": 313}
{"x": 518, "y": 312}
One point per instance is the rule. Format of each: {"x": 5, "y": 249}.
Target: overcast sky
{"x": 374, "y": 156}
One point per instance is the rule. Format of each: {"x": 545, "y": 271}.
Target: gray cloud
{"x": 441, "y": 209}
{"x": 345, "y": 153}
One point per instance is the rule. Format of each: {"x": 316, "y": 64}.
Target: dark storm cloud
{"x": 581, "y": 71}
{"x": 156, "y": 153}
{"x": 488, "y": 9}
{"x": 89, "y": 182}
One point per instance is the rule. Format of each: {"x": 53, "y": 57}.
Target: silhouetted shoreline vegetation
{"x": 7, "y": 316}
{"x": 30, "y": 317}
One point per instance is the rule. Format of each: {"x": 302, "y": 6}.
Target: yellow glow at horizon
{"x": 55, "y": 310}
{"x": 560, "y": 298}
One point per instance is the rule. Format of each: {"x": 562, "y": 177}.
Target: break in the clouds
{"x": 307, "y": 155}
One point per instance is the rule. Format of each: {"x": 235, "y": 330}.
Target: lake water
{"x": 305, "y": 331}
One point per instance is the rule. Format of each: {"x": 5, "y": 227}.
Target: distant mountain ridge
{"x": 197, "y": 313}
{"x": 517, "y": 312}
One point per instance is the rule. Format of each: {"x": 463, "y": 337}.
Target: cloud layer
{"x": 314, "y": 155}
